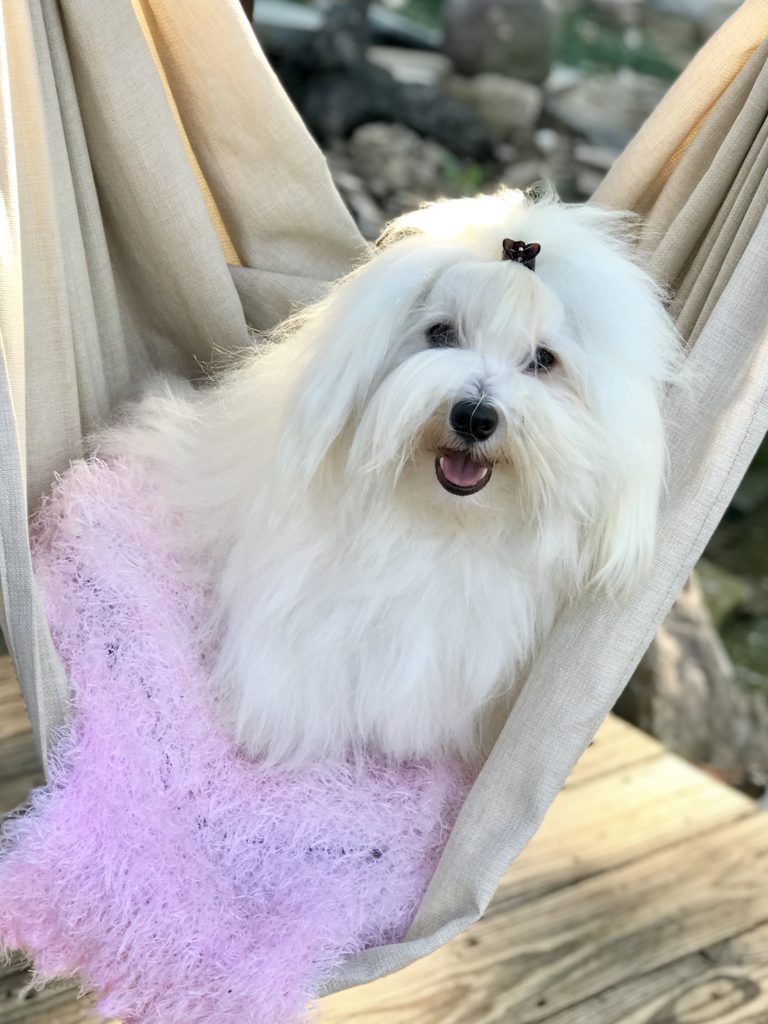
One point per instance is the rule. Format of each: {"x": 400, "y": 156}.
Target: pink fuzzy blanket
{"x": 180, "y": 881}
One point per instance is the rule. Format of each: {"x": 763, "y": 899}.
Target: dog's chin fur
{"x": 356, "y": 602}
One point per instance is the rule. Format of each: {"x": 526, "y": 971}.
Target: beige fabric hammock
{"x": 159, "y": 194}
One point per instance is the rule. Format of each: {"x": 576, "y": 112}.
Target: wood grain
{"x": 616, "y": 745}
{"x": 642, "y": 900}
{"x": 617, "y": 818}
{"x": 13, "y": 714}
{"x": 726, "y": 983}
{"x": 548, "y": 956}
{"x": 20, "y": 767}
{"x": 55, "y": 1004}
{"x": 14, "y": 791}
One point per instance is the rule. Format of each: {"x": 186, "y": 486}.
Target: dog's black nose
{"x": 473, "y": 420}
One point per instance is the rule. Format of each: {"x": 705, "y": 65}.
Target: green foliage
{"x": 426, "y": 12}
{"x": 588, "y": 39}
{"x": 593, "y": 43}
{"x": 465, "y": 179}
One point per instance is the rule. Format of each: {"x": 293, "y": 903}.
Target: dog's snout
{"x": 473, "y": 420}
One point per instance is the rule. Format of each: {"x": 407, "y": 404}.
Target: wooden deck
{"x": 642, "y": 900}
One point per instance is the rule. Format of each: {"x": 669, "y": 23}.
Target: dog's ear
{"x": 634, "y": 355}
{"x": 346, "y": 344}
{"x": 633, "y": 376}
{"x": 624, "y": 539}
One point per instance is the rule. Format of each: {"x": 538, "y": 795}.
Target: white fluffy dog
{"x": 393, "y": 497}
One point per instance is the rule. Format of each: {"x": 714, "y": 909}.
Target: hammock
{"x": 160, "y": 196}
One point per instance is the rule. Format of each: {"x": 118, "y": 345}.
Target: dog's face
{"x": 485, "y": 390}
{"x": 464, "y": 385}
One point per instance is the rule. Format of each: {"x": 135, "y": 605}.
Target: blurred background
{"x": 416, "y": 99}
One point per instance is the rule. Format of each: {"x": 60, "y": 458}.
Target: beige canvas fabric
{"x": 114, "y": 258}
{"x": 697, "y": 173}
{"x": 160, "y": 194}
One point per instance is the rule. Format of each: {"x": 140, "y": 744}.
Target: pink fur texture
{"x": 176, "y": 878}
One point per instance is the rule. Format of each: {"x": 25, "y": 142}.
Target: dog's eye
{"x": 442, "y": 335}
{"x": 543, "y": 359}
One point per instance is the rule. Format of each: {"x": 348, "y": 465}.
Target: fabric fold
{"x": 112, "y": 269}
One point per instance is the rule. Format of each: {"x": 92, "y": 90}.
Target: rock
{"x": 368, "y": 215}
{"x": 344, "y": 37}
{"x": 652, "y": 34}
{"x": 623, "y": 12}
{"x": 336, "y": 88}
{"x": 433, "y": 114}
{"x": 724, "y": 592}
{"x": 673, "y": 37}
{"x": 746, "y": 640}
{"x": 411, "y": 67}
{"x": 525, "y": 173}
{"x": 391, "y": 158}
{"x": 683, "y": 21}
{"x": 586, "y": 181}
{"x": 392, "y": 29}
{"x": 334, "y": 103}
{"x": 596, "y": 158}
{"x": 685, "y": 693}
{"x": 511, "y": 37}
{"x": 557, "y": 151}
{"x": 562, "y": 77}
{"x": 709, "y": 15}
{"x": 505, "y": 153}
{"x": 507, "y": 106}
{"x": 592, "y": 164}
{"x": 286, "y": 28}
{"x": 548, "y": 141}
{"x": 584, "y": 110}
{"x": 400, "y": 169}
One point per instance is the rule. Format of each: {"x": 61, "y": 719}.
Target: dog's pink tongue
{"x": 460, "y": 470}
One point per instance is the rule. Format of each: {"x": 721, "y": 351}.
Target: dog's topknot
{"x": 520, "y": 252}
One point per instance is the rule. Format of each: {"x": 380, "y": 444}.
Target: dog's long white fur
{"x": 356, "y": 603}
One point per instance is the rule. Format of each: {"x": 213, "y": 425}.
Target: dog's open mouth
{"x": 459, "y": 473}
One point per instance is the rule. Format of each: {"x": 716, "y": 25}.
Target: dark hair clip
{"x": 520, "y": 252}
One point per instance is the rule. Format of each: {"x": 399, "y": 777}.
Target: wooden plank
{"x": 21, "y": 1005}
{"x": 616, "y": 745}
{"x": 18, "y": 754}
{"x": 14, "y": 791}
{"x": 7, "y": 674}
{"x": 56, "y": 1004}
{"x": 541, "y": 958}
{"x": 722, "y": 984}
{"x": 13, "y": 714}
{"x": 617, "y": 818}
{"x": 582, "y": 930}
